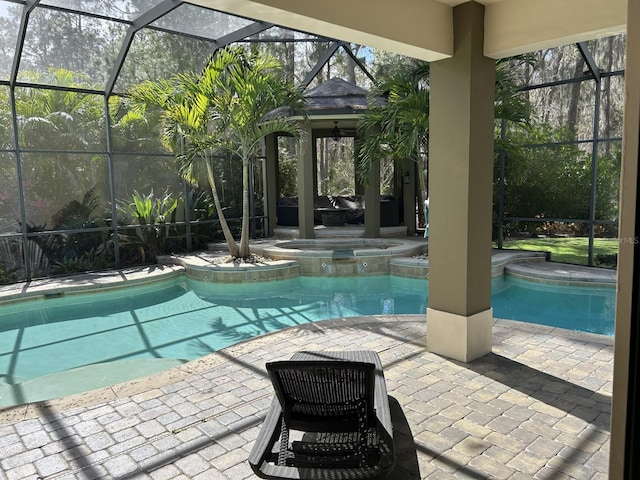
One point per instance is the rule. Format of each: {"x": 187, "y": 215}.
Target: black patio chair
{"x": 329, "y": 419}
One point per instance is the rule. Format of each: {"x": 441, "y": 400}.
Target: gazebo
{"x": 334, "y": 108}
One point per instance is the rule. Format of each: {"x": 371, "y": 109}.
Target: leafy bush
{"x": 551, "y": 178}
{"x": 5, "y": 277}
{"x": 568, "y": 229}
{"x": 288, "y": 175}
{"x": 151, "y": 214}
{"x": 609, "y": 260}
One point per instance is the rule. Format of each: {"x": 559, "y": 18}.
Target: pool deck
{"x": 536, "y": 407}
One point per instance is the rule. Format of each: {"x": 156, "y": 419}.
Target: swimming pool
{"x": 177, "y": 320}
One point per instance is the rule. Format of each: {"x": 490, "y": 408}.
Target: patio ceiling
{"x": 423, "y": 28}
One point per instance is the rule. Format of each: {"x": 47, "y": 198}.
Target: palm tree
{"x": 222, "y": 109}
{"x": 402, "y": 121}
{"x": 58, "y": 122}
{"x": 53, "y": 119}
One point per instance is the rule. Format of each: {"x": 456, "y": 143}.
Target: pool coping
{"x": 550, "y": 272}
{"x": 517, "y": 263}
{"x": 94, "y": 281}
{"x": 365, "y": 247}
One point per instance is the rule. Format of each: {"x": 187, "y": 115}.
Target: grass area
{"x": 570, "y": 250}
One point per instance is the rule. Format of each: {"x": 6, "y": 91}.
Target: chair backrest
{"x": 323, "y": 387}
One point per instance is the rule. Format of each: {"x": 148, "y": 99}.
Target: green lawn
{"x": 568, "y": 250}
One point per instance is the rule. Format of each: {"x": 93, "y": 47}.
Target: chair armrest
{"x": 268, "y": 435}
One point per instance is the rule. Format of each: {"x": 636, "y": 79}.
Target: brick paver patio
{"x": 536, "y": 407}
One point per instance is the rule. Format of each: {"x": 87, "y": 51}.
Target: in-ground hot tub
{"x": 342, "y": 256}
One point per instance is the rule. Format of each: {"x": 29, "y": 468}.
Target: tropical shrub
{"x": 556, "y": 180}
{"x": 150, "y": 213}
{"x": 5, "y": 276}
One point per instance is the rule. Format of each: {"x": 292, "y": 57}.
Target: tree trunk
{"x": 226, "y": 231}
{"x": 244, "y": 235}
{"x": 350, "y": 64}
{"x": 606, "y": 93}
{"x": 323, "y": 168}
{"x": 572, "y": 114}
{"x": 289, "y": 60}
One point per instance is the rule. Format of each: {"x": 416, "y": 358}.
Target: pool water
{"x": 184, "y": 319}
{"x": 586, "y": 309}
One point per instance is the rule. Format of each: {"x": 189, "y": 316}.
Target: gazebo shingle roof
{"x": 336, "y": 94}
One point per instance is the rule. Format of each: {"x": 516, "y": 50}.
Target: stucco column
{"x": 461, "y": 115}
{"x": 371, "y": 188}
{"x": 306, "y": 178}
{"x": 372, "y": 203}
{"x": 271, "y": 144}
{"x": 409, "y": 197}
{"x": 625, "y": 428}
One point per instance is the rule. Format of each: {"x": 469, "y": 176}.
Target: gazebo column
{"x": 409, "y": 197}
{"x": 306, "y": 185}
{"x": 372, "y": 203}
{"x": 461, "y": 116}
{"x": 371, "y": 195}
{"x": 271, "y": 144}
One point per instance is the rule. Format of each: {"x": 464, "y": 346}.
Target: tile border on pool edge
{"x": 87, "y": 282}
{"x": 200, "y": 267}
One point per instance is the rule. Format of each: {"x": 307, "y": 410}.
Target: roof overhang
{"x": 423, "y": 29}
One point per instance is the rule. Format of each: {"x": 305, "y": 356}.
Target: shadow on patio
{"x": 537, "y": 407}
